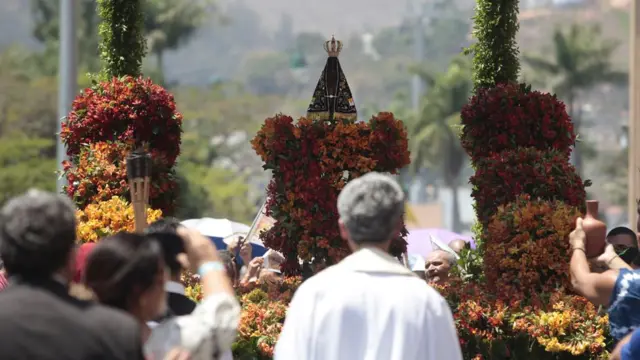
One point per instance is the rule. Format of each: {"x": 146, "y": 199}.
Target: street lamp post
{"x": 68, "y": 76}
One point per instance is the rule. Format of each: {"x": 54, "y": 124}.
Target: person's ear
{"x": 344, "y": 234}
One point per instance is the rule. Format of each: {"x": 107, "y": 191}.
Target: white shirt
{"x": 174, "y": 287}
{"x": 210, "y": 329}
{"x": 368, "y": 307}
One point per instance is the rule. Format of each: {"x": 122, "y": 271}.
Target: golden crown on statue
{"x": 333, "y": 47}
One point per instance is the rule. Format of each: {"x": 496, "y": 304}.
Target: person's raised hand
{"x": 255, "y": 265}
{"x": 199, "y": 248}
{"x": 605, "y": 258}
{"x": 232, "y": 246}
{"x": 246, "y": 252}
{"x": 578, "y": 237}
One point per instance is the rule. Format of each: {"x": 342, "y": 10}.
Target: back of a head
{"x": 623, "y": 230}
{"x": 446, "y": 255}
{"x": 164, "y": 225}
{"x": 37, "y": 234}
{"x": 458, "y": 245}
{"x": 164, "y": 231}
{"x": 172, "y": 245}
{"x": 122, "y": 266}
{"x": 371, "y": 208}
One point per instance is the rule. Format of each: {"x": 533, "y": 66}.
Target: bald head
{"x": 459, "y": 244}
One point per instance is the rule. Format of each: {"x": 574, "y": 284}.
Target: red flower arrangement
{"x": 125, "y": 109}
{"x": 109, "y": 120}
{"x": 311, "y": 163}
{"x": 510, "y": 115}
{"x": 100, "y": 173}
{"x": 501, "y": 178}
{"x": 527, "y": 248}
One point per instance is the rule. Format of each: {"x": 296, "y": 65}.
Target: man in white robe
{"x": 369, "y": 306}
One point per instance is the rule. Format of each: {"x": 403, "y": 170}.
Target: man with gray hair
{"x": 38, "y": 317}
{"x": 368, "y": 306}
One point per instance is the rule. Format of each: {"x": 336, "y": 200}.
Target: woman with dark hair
{"x": 127, "y": 271}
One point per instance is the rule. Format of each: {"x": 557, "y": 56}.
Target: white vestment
{"x": 368, "y": 307}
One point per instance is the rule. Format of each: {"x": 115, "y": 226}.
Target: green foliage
{"x": 22, "y": 166}
{"x": 470, "y": 266}
{"x": 225, "y": 193}
{"x": 215, "y": 121}
{"x": 435, "y": 131}
{"x": 123, "y": 45}
{"x": 33, "y": 115}
{"x": 495, "y": 54}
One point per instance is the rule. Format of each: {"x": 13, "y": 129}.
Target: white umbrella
{"x": 219, "y": 228}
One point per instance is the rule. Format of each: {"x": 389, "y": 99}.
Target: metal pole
{"x": 67, "y": 73}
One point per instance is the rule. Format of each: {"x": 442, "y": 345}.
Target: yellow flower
{"x": 105, "y": 218}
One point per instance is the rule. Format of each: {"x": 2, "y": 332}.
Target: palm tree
{"x": 434, "y": 133}
{"x": 581, "y": 60}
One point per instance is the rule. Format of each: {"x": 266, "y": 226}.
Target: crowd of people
{"x": 123, "y": 297}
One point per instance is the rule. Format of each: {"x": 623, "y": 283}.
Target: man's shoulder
{"x": 109, "y": 315}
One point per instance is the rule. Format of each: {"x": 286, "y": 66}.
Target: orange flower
{"x": 105, "y": 218}
{"x": 527, "y": 248}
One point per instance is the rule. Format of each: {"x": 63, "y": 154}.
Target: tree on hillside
{"x": 581, "y": 60}
{"x": 434, "y": 133}
{"x": 169, "y": 23}
{"x": 46, "y": 15}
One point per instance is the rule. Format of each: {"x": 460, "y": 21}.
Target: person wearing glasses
{"x": 625, "y": 244}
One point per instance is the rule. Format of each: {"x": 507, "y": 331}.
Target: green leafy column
{"x": 123, "y": 45}
{"x": 495, "y": 54}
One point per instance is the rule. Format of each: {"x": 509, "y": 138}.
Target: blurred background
{"x": 231, "y": 63}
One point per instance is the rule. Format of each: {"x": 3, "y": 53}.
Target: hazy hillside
{"x": 330, "y": 16}
{"x": 15, "y": 23}
{"x": 208, "y": 55}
